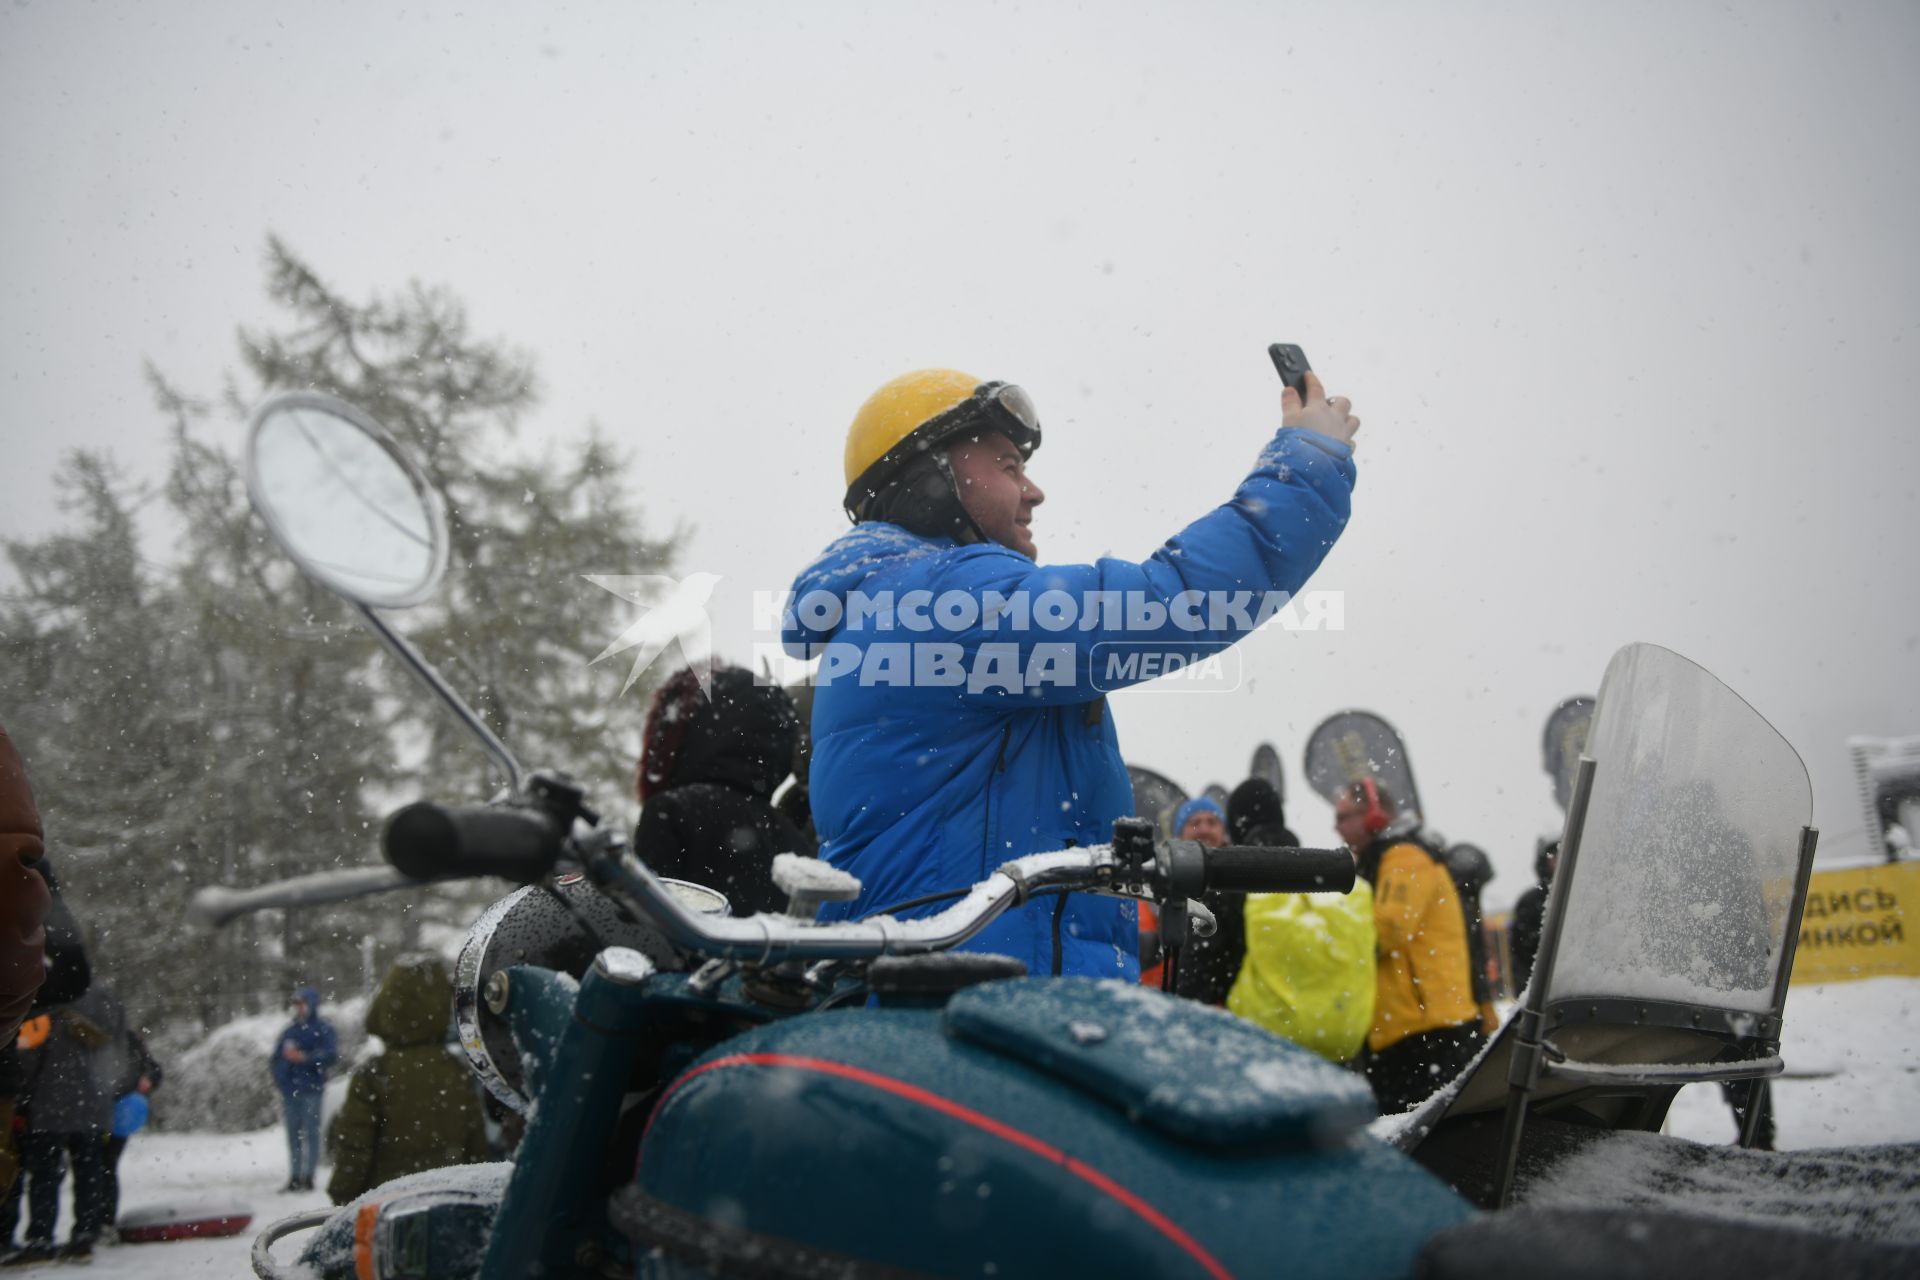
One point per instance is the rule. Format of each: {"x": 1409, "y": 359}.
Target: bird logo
{"x": 676, "y": 615}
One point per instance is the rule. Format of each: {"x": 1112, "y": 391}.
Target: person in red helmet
{"x": 1426, "y": 1026}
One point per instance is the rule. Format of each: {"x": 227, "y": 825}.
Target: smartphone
{"x": 1290, "y": 362}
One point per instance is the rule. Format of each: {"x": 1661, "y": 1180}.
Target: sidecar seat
{"x": 1669, "y": 933}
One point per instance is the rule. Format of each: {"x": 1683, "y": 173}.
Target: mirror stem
{"x": 424, "y": 672}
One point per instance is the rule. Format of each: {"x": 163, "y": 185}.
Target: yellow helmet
{"x": 916, "y": 411}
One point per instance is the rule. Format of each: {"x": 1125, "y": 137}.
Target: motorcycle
{"x": 706, "y": 1095}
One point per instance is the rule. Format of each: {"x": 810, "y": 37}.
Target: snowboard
{"x": 1155, "y": 797}
{"x": 1563, "y": 743}
{"x": 1266, "y": 765}
{"x": 1351, "y": 745}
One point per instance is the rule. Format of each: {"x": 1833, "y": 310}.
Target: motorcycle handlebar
{"x": 1252, "y": 869}
{"x": 427, "y": 841}
{"x": 1187, "y": 869}
{"x": 767, "y": 939}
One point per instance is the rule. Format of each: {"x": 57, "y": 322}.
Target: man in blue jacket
{"x": 960, "y": 718}
{"x": 302, "y": 1056}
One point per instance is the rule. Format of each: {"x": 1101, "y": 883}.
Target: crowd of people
{"x": 1381, "y": 978}
{"x": 920, "y": 787}
{"x": 923, "y": 786}
{"x": 917, "y": 786}
{"x": 409, "y": 1108}
{"x": 76, "y": 1073}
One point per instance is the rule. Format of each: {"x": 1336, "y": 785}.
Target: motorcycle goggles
{"x": 993, "y": 406}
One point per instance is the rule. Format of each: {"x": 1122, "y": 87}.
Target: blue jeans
{"x": 303, "y": 1134}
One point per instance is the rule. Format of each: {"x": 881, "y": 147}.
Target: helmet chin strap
{"x": 944, "y": 465}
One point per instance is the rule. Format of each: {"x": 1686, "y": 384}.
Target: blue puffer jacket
{"x": 921, "y": 788}
{"x": 313, "y": 1036}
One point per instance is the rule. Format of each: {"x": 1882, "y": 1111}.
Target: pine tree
{"x": 514, "y": 623}
{"x": 103, "y": 691}
{"x": 219, "y": 719}
{"x": 278, "y": 676}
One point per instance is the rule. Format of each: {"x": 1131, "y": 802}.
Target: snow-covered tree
{"x": 513, "y": 624}
{"x": 218, "y": 719}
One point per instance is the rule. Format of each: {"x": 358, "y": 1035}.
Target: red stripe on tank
{"x": 967, "y": 1115}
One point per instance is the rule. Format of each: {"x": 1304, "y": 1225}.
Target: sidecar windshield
{"x": 1684, "y": 877}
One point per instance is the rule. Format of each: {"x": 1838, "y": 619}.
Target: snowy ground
{"x": 1852, "y": 1053}
{"x": 210, "y": 1169}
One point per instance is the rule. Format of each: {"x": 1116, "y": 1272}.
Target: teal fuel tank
{"x": 1027, "y": 1128}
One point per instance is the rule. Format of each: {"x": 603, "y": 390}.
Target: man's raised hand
{"x": 1330, "y": 417}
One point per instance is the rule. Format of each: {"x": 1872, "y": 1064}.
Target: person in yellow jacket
{"x": 1426, "y": 1026}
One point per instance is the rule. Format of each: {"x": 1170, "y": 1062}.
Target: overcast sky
{"x": 1626, "y": 296}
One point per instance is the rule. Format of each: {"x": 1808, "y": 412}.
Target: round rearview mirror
{"x": 342, "y": 499}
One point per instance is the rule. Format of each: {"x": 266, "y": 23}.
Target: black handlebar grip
{"x": 1251, "y": 869}
{"x": 427, "y": 841}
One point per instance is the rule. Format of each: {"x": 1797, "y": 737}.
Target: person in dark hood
{"x": 304, "y": 1053}
{"x": 413, "y": 1108}
{"x": 1255, "y": 815}
{"x": 796, "y": 802}
{"x": 1471, "y": 870}
{"x": 1529, "y": 913}
{"x": 708, "y": 770}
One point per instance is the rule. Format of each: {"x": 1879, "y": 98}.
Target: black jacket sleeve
{"x": 1523, "y": 934}
{"x": 140, "y": 1063}
{"x": 658, "y": 843}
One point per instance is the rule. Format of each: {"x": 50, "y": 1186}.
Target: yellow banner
{"x": 1855, "y": 925}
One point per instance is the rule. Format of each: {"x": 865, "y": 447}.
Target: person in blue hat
{"x": 1201, "y": 820}
{"x": 1206, "y": 967}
